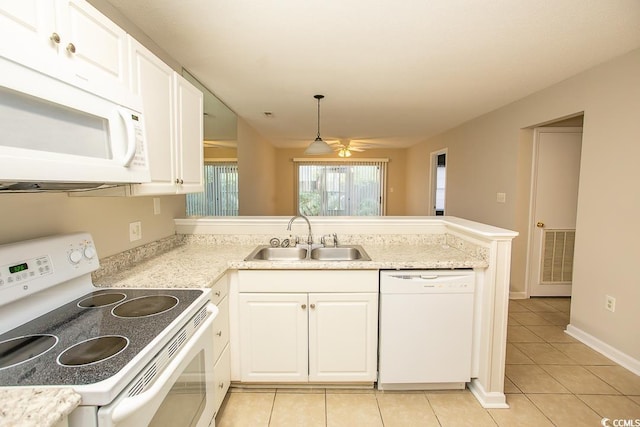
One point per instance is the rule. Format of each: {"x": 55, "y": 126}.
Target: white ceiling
{"x": 397, "y": 71}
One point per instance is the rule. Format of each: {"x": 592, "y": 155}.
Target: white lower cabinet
{"x": 317, "y": 337}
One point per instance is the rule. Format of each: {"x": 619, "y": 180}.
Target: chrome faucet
{"x": 310, "y": 236}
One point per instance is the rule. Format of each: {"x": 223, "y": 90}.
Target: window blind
{"x": 340, "y": 188}
{"x": 220, "y": 195}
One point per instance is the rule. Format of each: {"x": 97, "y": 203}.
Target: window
{"x": 220, "y": 196}
{"x": 339, "y": 188}
{"x": 438, "y": 181}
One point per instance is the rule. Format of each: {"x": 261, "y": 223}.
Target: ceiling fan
{"x": 344, "y": 147}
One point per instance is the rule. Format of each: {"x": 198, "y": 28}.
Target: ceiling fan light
{"x": 344, "y": 152}
{"x": 318, "y": 147}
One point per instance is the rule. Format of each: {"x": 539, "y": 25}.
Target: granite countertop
{"x": 36, "y": 407}
{"x": 201, "y": 265}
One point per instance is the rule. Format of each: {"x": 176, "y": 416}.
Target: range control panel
{"x": 25, "y": 270}
{"x": 34, "y": 265}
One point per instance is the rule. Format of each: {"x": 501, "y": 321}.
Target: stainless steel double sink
{"x": 339, "y": 253}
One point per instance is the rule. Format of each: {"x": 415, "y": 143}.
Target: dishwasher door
{"x": 426, "y": 328}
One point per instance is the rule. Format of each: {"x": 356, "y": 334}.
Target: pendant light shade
{"x": 318, "y": 146}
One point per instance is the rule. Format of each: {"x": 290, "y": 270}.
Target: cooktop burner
{"x": 83, "y": 342}
{"x": 17, "y": 350}
{"x": 93, "y": 350}
{"x": 145, "y": 306}
{"x": 101, "y": 299}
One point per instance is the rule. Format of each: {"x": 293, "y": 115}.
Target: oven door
{"x": 181, "y": 396}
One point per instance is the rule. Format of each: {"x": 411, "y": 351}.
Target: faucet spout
{"x": 310, "y": 236}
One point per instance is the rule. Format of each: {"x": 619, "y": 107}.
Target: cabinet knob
{"x": 303, "y": 306}
{"x": 221, "y": 385}
{"x": 179, "y": 181}
{"x": 55, "y": 37}
{"x": 540, "y": 224}
{"x": 217, "y": 293}
{"x": 312, "y": 306}
{"x": 71, "y": 48}
{"x": 219, "y": 333}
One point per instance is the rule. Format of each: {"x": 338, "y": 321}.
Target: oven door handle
{"x": 130, "y": 405}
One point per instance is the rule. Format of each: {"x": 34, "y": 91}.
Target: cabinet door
{"x": 152, "y": 80}
{"x": 190, "y": 154}
{"x": 26, "y": 28}
{"x": 95, "y": 47}
{"x": 222, "y": 377}
{"x": 273, "y": 337}
{"x": 343, "y": 337}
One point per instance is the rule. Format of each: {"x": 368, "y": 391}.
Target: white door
{"x": 343, "y": 337}
{"x": 552, "y": 226}
{"x": 273, "y": 337}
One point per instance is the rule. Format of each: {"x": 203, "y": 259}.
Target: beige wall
{"x": 220, "y": 153}
{"x": 27, "y": 216}
{"x": 396, "y": 184}
{"x": 492, "y": 154}
{"x": 256, "y": 172}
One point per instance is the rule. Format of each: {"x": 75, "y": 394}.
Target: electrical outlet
{"x": 610, "y": 304}
{"x": 501, "y": 197}
{"x": 156, "y": 206}
{"x": 135, "y": 231}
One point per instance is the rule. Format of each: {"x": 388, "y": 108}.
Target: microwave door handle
{"x": 130, "y": 133}
{"x": 130, "y": 405}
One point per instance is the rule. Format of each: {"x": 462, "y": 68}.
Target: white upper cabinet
{"x": 190, "y": 151}
{"x": 69, "y": 40}
{"x": 173, "y": 120}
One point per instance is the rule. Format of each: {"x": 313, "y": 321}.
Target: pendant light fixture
{"x": 318, "y": 146}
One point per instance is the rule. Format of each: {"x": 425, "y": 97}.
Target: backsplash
{"x": 131, "y": 257}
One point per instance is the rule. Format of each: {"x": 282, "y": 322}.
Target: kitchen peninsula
{"x": 209, "y": 249}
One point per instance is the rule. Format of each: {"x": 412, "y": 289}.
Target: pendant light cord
{"x": 318, "y": 97}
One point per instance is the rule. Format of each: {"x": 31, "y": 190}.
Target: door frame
{"x": 531, "y": 228}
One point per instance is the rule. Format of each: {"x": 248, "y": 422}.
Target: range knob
{"x": 89, "y": 252}
{"x": 75, "y": 256}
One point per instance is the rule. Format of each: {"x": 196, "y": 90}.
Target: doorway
{"x": 552, "y": 219}
{"x": 438, "y": 178}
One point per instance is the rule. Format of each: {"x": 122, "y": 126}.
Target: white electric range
{"x": 137, "y": 357}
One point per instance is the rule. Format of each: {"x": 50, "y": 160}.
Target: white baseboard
{"x": 488, "y": 399}
{"x": 518, "y": 295}
{"x": 605, "y": 349}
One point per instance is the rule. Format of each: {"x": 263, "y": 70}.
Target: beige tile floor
{"x": 551, "y": 380}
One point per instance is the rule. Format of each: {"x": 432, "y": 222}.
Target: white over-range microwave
{"x": 54, "y": 136}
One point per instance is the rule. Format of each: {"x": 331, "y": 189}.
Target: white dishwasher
{"x": 426, "y": 329}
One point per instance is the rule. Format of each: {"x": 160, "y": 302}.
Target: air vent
{"x": 145, "y": 379}
{"x": 557, "y": 256}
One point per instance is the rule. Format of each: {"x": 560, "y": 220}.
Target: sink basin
{"x": 340, "y": 253}
{"x": 268, "y": 253}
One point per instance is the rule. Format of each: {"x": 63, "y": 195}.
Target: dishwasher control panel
{"x": 430, "y": 281}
